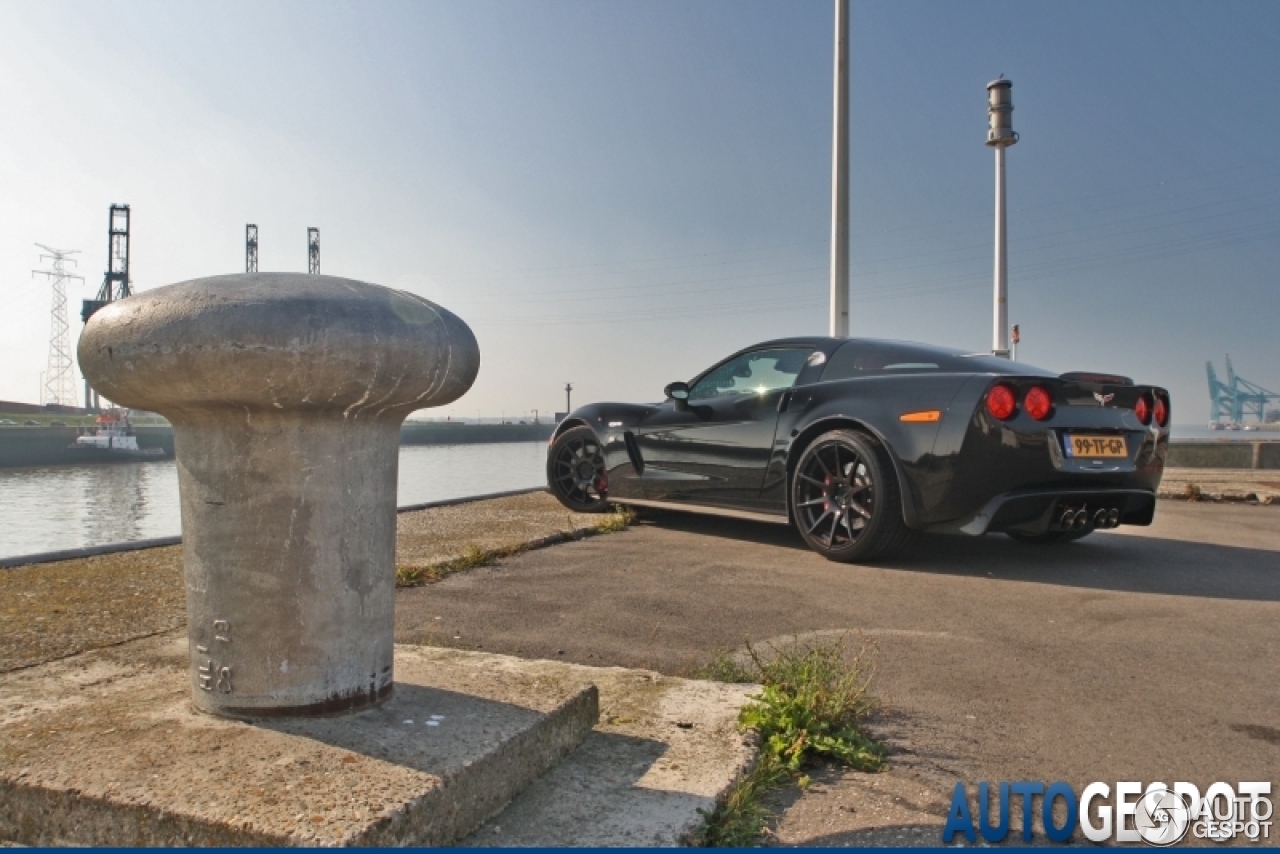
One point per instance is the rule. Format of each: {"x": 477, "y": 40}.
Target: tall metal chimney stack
{"x": 251, "y": 248}
{"x": 313, "y": 251}
{"x": 1000, "y": 135}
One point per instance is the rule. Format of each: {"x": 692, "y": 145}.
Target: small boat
{"x": 1216, "y": 425}
{"x": 113, "y": 438}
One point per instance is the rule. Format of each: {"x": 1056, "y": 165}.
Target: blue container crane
{"x": 1237, "y": 397}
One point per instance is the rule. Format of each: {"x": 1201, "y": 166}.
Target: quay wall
{"x": 48, "y": 446}
{"x": 1225, "y": 454}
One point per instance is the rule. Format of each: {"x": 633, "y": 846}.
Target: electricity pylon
{"x": 59, "y": 381}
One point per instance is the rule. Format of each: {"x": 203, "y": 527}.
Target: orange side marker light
{"x": 925, "y": 417}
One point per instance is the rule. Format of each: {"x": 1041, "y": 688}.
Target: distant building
{"x": 12, "y": 406}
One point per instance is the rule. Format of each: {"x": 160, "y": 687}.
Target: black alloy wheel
{"x": 845, "y": 499}
{"x": 575, "y": 471}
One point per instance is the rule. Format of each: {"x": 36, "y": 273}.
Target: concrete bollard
{"x": 286, "y": 393}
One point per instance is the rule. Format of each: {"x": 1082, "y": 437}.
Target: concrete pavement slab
{"x": 104, "y": 748}
{"x": 664, "y": 749}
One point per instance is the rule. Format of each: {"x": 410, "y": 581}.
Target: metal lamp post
{"x": 840, "y": 178}
{"x": 1000, "y": 135}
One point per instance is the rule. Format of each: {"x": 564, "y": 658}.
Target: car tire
{"x": 845, "y": 500}
{"x": 1048, "y": 538}
{"x": 575, "y": 471}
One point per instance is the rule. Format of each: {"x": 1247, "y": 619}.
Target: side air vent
{"x": 633, "y": 451}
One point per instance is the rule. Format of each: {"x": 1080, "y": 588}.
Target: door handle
{"x": 784, "y": 400}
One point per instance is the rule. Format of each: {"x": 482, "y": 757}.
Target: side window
{"x": 863, "y": 358}
{"x": 758, "y": 372}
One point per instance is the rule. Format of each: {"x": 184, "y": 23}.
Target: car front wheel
{"x": 845, "y": 499}
{"x": 575, "y": 471}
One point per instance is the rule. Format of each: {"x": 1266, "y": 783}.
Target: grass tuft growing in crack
{"x": 618, "y": 520}
{"x": 474, "y": 556}
{"x": 740, "y": 821}
{"x": 813, "y": 700}
{"x": 726, "y": 666}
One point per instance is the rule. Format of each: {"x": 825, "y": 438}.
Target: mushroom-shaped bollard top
{"x": 286, "y": 393}
{"x": 283, "y": 341}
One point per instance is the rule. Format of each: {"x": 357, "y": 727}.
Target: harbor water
{"x": 66, "y": 507}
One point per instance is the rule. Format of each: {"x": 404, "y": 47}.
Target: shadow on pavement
{"x": 1103, "y": 561}
{"x": 760, "y": 533}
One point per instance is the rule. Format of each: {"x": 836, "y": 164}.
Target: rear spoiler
{"x": 1087, "y": 377}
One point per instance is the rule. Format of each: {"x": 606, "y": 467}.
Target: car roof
{"x": 802, "y": 341}
{"x": 828, "y": 344}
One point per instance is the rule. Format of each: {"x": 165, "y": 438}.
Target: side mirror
{"x": 678, "y": 392}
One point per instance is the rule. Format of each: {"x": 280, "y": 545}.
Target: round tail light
{"x": 1039, "y": 403}
{"x": 1001, "y": 401}
{"x": 1162, "y": 412}
{"x": 1142, "y": 409}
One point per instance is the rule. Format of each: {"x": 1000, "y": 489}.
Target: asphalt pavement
{"x": 1139, "y": 654}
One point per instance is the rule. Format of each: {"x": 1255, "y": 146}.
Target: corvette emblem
{"x": 1103, "y": 399}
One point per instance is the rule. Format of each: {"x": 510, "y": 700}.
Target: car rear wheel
{"x": 575, "y": 471}
{"x": 845, "y": 499}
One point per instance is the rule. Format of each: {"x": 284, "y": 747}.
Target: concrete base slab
{"x": 664, "y": 749}
{"x": 103, "y": 748}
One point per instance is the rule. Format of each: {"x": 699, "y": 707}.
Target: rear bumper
{"x": 1037, "y": 512}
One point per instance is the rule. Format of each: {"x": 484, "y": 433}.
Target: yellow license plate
{"x": 1096, "y": 446}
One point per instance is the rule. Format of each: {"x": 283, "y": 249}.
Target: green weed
{"x": 726, "y": 666}
{"x": 472, "y": 556}
{"x": 739, "y": 821}
{"x": 812, "y": 702}
{"x": 618, "y": 520}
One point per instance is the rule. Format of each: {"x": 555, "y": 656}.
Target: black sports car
{"x": 860, "y": 442}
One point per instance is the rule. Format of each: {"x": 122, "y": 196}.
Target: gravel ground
{"x": 426, "y": 537}
{"x": 1136, "y": 654}
{"x": 52, "y": 610}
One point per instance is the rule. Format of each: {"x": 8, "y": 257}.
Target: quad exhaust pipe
{"x": 1079, "y": 518}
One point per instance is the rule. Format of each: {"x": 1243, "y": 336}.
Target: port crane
{"x": 1236, "y": 398}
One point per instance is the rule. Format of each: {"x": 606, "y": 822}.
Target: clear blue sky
{"x": 618, "y": 193}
